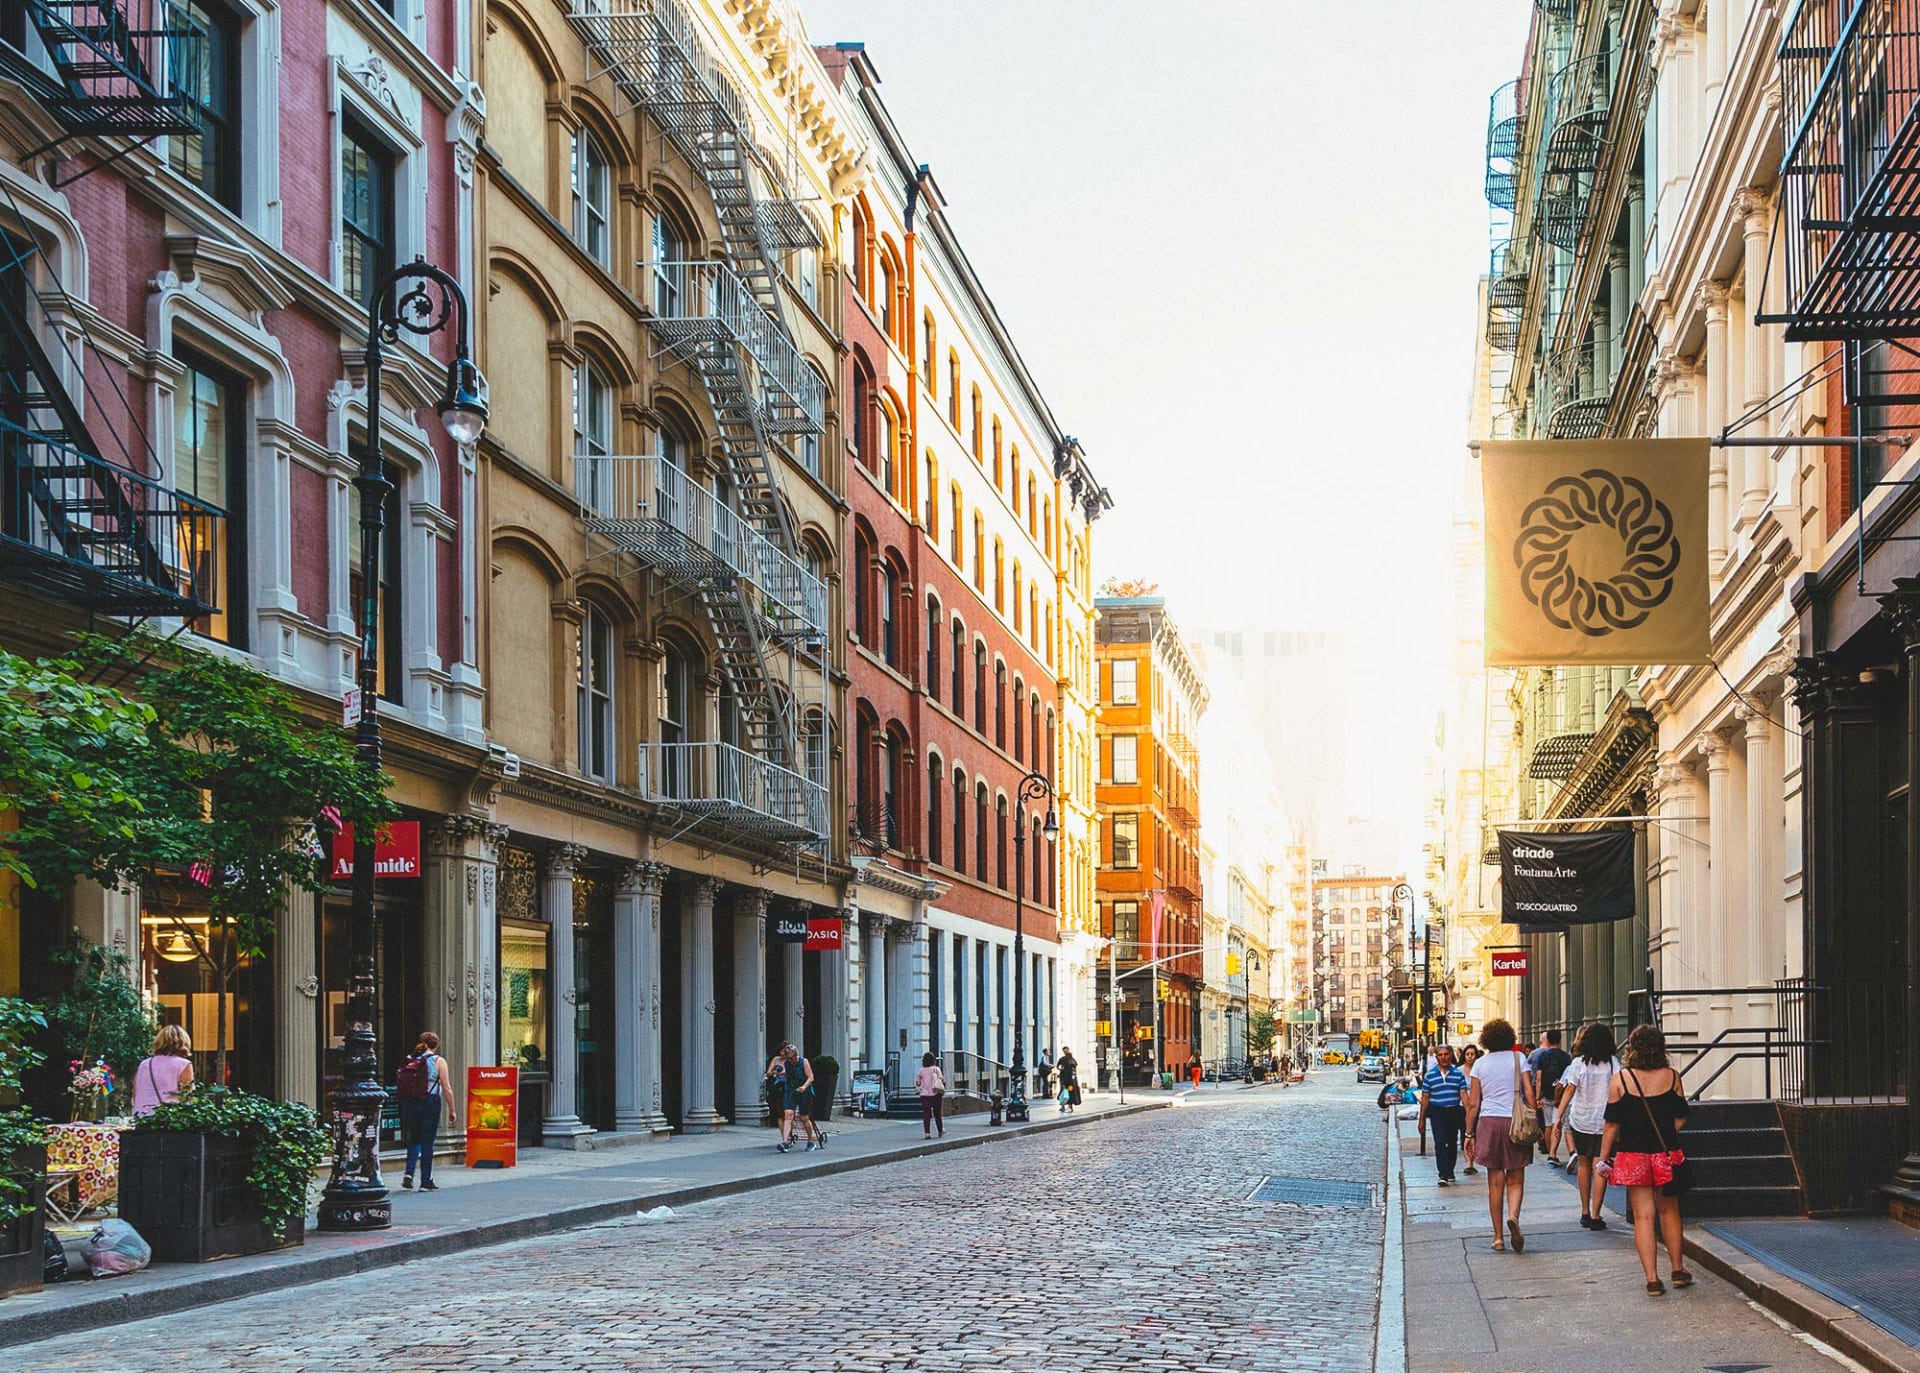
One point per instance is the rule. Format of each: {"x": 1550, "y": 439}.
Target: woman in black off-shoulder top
{"x": 1646, "y": 1110}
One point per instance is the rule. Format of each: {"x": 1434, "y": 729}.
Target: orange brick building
{"x": 1151, "y": 698}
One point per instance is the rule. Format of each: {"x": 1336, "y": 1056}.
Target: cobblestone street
{"x": 1123, "y": 1244}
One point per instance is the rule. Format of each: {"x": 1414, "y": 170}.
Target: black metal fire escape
{"x": 75, "y": 524}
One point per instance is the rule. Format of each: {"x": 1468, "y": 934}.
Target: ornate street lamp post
{"x": 1032, "y": 787}
{"x": 355, "y": 1197}
{"x": 1426, "y": 993}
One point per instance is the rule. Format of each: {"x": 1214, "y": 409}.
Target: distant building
{"x": 1359, "y": 939}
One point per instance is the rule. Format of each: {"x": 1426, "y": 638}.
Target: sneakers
{"x": 811, "y": 1146}
{"x": 1446, "y": 1182}
{"x": 783, "y": 1148}
{"x": 429, "y": 1186}
{"x": 406, "y": 1182}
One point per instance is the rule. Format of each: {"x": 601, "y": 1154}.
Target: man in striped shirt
{"x": 1443, "y": 1091}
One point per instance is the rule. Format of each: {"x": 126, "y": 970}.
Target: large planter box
{"x": 187, "y": 1195}
{"x": 824, "y": 1086}
{"x": 21, "y": 1260}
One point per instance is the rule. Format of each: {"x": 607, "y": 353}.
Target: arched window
{"x": 861, "y": 399}
{"x": 999, "y": 575}
{"x": 1046, "y": 644}
{"x": 980, "y": 686}
{"x": 592, "y": 198}
{"x": 929, "y": 376}
{"x": 957, "y": 690}
{"x": 1000, "y": 844}
{"x": 888, "y": 445}
{"x": 862, "y": 251}
{"x": 959, "y": 820}
{"x": 1018, "y": 580}
{"x": 932, "y": 679}
{"x": 592, "y": 438}
{"x": 1033, "y": 847}
{"x": 670, "y": 283}
{"x": 979, "y": 434}
{"x": 1019, "y": 717}
{"x": 999, "y": 471}
{"x": 1013, "y": 485}
{"x": 930, "y": 516}
{"x": 810, "y": 443}
{"x": 1000, "y": 705}
{"x": 979, "y": 551}
{"x": 980, "y": 831}
{"x": 865, "y": 741}
{"x": 1047, "y": 766}
{"x": 1053, "y": 869}
{"x": 884, "y": 304}
{"x": 936, "y": 788}
{"x": 862, "y": 573}
{"x": 1033, "y": 616}
{"x": 1046, "y": 526}
{"x": 889, "y": 602}
{"x": 673, "y": 725}
{"x": 893, "y": 757}
{"x": 593, "y": 674}
{"x": 1033, "y": 735}
{"x": 955, "y": 537}
{"x": 953, "y": 389}
{"x": 1030, "y": 515}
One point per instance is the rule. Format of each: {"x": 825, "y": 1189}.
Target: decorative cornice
{"x": 1901, "y": 606}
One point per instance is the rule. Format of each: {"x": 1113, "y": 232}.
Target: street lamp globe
{"x": 1050, "y": 827}
{"x": 463, "y": 406}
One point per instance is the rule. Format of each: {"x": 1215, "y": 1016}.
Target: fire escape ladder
{"x": 73, "y": 523}
{"x": 1578, "y": 109}
{"x": 126, "y": 68}
{"x": 1505, "y": 133}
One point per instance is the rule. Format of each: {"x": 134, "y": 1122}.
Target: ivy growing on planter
{"x": 286, "y": 1140}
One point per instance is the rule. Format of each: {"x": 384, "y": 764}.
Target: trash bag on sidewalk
{"x": 53, "y": 1258}
{"x": 116, "y": 1247}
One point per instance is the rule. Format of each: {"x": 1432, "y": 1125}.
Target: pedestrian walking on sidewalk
{"x": 1468, "y": 1056}
{"x": 931, "y": 1084}
{"x": 788, "y": 1075}
{"x": 1646, "y": 1111}
{"x": 1584, "y": 1089}
{"x": 1443, "y": 1093}
{"x": 1498, "y": 1083}
{"x": 1069, "y": 1067}
{"x": 423, "y": 1092}
{"x": 1547, "y": 1062}
{"x": 808, "y": 1099}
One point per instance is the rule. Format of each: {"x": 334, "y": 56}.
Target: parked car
{"x": 1373, "y": 1068}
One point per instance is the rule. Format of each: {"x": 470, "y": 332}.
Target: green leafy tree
{"x": 100, "y": 1014}
{"x": 20, "y": 1024}
{"x": 238, "y": 789}
{"x": 1260, "y": 1031}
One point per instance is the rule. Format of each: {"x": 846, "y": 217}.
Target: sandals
{"x": 1519, "y": 1240}
{"x": 1656, "y": 1288}
{"x": 1682, "y": 1278}
{"x": 1499, "y": 1246}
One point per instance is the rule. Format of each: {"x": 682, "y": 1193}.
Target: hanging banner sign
{"x": 1506, "y": 963}
{"x": 396, "y": 850}
{"x": 786, "y": 929}
{"x": 823, "y": 934}
{"x": 1551, "y": 881}
{"x": 493, "y": 1117}
{"x": 1596, "y": 551}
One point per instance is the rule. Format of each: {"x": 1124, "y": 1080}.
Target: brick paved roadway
{"x": 1121, "y": 1245}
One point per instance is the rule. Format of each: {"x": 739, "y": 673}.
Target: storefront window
{"x": 523, "y": 995}
{"x": 179, "y": 951}
{"x": 400, "y": 999}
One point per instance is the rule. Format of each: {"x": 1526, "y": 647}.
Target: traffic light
{"x": 1233, "y": 965}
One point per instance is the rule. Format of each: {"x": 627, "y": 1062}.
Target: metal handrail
{"x": 656, "y": 491}
{"x": 707, "y": 291}
{"x": 1783, "y": 1043}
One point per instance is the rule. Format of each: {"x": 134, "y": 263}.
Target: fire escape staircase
{"x": 1578, "y": 104}
{"x": 73, "y": 524}
{"x": 727, "y": 322}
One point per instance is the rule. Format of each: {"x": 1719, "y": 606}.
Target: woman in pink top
{"x": 931, "y": 1084}
{"x": 163, "y": 1076}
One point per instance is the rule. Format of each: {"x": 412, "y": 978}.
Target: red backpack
{"x": 413, "y": 1078}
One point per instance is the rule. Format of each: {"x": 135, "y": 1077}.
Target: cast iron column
{"x": 1903, "y": 608}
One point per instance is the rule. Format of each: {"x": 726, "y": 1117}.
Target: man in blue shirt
{"x": 1443, "y": 1094}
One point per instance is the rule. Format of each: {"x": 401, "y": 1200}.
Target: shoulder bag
{"x": 1682, "y": 1180}
{"x": 1523, "y": 1127}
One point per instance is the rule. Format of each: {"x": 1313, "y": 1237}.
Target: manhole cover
{"x": 1313, "y": 1192}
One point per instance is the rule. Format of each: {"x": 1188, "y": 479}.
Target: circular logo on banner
{"x": 1597, "y": 553}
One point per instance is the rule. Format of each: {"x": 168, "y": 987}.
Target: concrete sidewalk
{"x": 551, "y": 1190}
{"x": 1574, "y": 1298}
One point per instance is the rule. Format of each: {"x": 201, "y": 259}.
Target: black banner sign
{"x": 1551, "y": 881}
{"x": 786, "y": 929}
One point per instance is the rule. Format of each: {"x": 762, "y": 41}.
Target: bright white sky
{"x": 1237, "y": 243}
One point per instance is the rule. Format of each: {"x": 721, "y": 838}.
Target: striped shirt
{"x": 1444, "y": 1088}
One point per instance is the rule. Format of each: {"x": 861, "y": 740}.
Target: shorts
{"x": 1584, "y": 1144}
{"x": 1645, "y": 1170}
{"x": 800, "y": 1102}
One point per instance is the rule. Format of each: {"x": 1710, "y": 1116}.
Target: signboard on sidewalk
{"x": 1508, "y": 962}
{"x": 869, "y": 1091}
{"x": 396, "y": 851}
{"x": 823, "y": 934}
{"x": 493, "y": 1117}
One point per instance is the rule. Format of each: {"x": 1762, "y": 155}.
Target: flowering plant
{"x": 89, "y": 1078}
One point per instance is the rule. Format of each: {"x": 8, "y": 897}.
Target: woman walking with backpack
{"x": 423, "y": 1086}
{"x": 1500, "y": 1089}
{"x": 1646, "y": 1110}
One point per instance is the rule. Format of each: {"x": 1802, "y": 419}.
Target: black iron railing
{"x": 131, "y": 68}
{"x": 1850, "y": 171}
{"x": 1842, "y": 1042}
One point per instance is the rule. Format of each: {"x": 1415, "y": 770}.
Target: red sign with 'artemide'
{"x": 396, "y": 851}
{"x": 1509, "y": 962}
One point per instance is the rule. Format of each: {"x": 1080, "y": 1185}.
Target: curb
{"x": 1390, "y": 1321}
{"x": 1819, "y": 1316}
{"x": 189, "y": 1292}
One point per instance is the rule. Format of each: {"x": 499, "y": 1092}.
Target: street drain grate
{"x": 1313, "y": 1192}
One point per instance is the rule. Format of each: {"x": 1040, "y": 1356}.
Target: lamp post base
{"x": 356, "y": 1207}
{"x": 1017, "y": 1108}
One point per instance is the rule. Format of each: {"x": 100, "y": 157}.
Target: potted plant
{"x": 23, "y": 1154}
{"x": 220, "y": 1173}
{"x": 826, "y": 1078}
